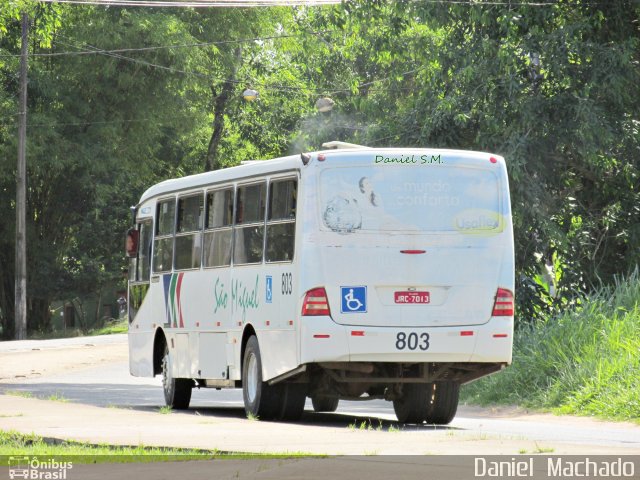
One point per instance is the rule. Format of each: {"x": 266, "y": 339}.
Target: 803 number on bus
{"x": 412, "y": 341}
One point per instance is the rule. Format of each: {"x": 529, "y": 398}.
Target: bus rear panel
{"x": 409, "y": 261}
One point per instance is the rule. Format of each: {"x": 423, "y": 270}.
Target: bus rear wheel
{"x": 292, "y": 401}
{"x": 325, "y": 404}
{"x": 261, "y": 400}
{"x": 411, "y": 407}
{"x": 442, "y": 402}
{"x": 177, "y": 391}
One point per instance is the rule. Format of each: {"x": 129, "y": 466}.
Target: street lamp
{"x": 534, "y": 68}
{"x": 324, "y": 104}
{"x": 250, "y": 94}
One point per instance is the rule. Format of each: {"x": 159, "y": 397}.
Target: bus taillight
{"x": 316, "y": 302}
{"x": 504, "y": 304}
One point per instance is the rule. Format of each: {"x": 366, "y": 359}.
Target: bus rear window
{"x": 405, "y": 199}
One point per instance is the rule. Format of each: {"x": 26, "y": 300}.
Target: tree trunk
{"x": 219, "y": 108}
{"x": 97, "y": 321}
{"x": 7, "y": 306}
{"x": 38, "y": 314}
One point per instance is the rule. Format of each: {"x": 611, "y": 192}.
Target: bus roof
{"x": 292, "y": 162}
{"x": 248, "y": 169}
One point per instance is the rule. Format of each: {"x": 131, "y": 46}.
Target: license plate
{"x": 412, "y": 297}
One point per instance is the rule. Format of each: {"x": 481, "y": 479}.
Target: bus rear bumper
{"x": 323, "y": 340}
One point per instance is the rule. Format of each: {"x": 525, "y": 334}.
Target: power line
{"x": 146, "y": 120}
{"x": 115, "y": 53}
{"x": 283, "y": 88}
{"x": 290, "y": 3}
{"x": 199, "y": 3}
{"x": 162, "y": 47}
{"x": 143, "y": 62}
{"x": 87, "y": 122}
{"x": 185, "y": 72}
{"x": 97, "y": 51}
{"x": 514, "y": 3}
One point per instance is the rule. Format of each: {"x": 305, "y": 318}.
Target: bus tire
{"x": 292, "y": 403}
{"x": 443, "y": 402}
{"x": 261, "y": 400}
{"x": 177, "y": 391}
{"x": 325, "y": 404}
{"x": 411, "y": 406}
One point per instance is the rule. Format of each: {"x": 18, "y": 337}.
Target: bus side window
{"x": 218, "y": 228}
{"x": 133, "y": 266}
{"x": 281, "y": 221}
{"x": 248, "y": 237}
{"x": 188, "y": 232}
{"x": 144, "y": 252}
{"x": 163, "y": 243}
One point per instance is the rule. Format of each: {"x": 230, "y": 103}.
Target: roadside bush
{"x": 585, "y": 361}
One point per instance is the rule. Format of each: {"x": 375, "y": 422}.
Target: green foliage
{"x": 102, "y": 129}
{"x": 111, "y": 328}
{"x": 105, "y": 126}
{"x": 463, "y": 76}
{"x": 47, "y": 19}
{"x": 584, "y": 361}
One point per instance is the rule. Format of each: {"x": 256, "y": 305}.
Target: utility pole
{"x": 21, "y": 195}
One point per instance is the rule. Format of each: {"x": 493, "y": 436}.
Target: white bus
{"x": 349, "y": 273}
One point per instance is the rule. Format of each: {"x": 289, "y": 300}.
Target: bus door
{"x": 139, "y": 252}
{"x": 140, "y": 305}
{"x": 280, "y": 250}
{"x": 162, "y": 264}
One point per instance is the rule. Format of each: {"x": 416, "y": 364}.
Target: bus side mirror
{"x": 131, "y": 246}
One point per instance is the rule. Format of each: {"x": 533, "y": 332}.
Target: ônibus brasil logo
{"x": 36, "y": 469}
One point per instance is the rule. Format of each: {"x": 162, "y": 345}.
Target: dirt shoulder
{"x": 20, "y": 360}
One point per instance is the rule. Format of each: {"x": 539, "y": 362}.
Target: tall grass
{"x": 111, "y": 327}
{"x": 585, "y": 361}
{"x": 14, "y": 443}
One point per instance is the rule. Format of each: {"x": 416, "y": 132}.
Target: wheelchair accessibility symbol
{"x": 354, "y": 300}
{"x": 269, "y": 292}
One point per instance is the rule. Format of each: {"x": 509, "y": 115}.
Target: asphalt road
{"x": 108, "y": 384}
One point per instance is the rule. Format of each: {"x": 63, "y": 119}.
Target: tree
{"x": 103, "y": 128}
{"x": 106, "y": 125}
{"x": 246, "y": 52}
{"x": 465, "y": 76}
{"x": 14, "y": 19}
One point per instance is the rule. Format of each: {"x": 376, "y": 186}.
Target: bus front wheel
{"x": 177, "y": 391}
{"x": 261, "y": 400}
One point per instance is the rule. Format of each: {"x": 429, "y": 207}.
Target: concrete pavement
{"x": 112, "y": 407}
{"x": 233, "y": 433}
